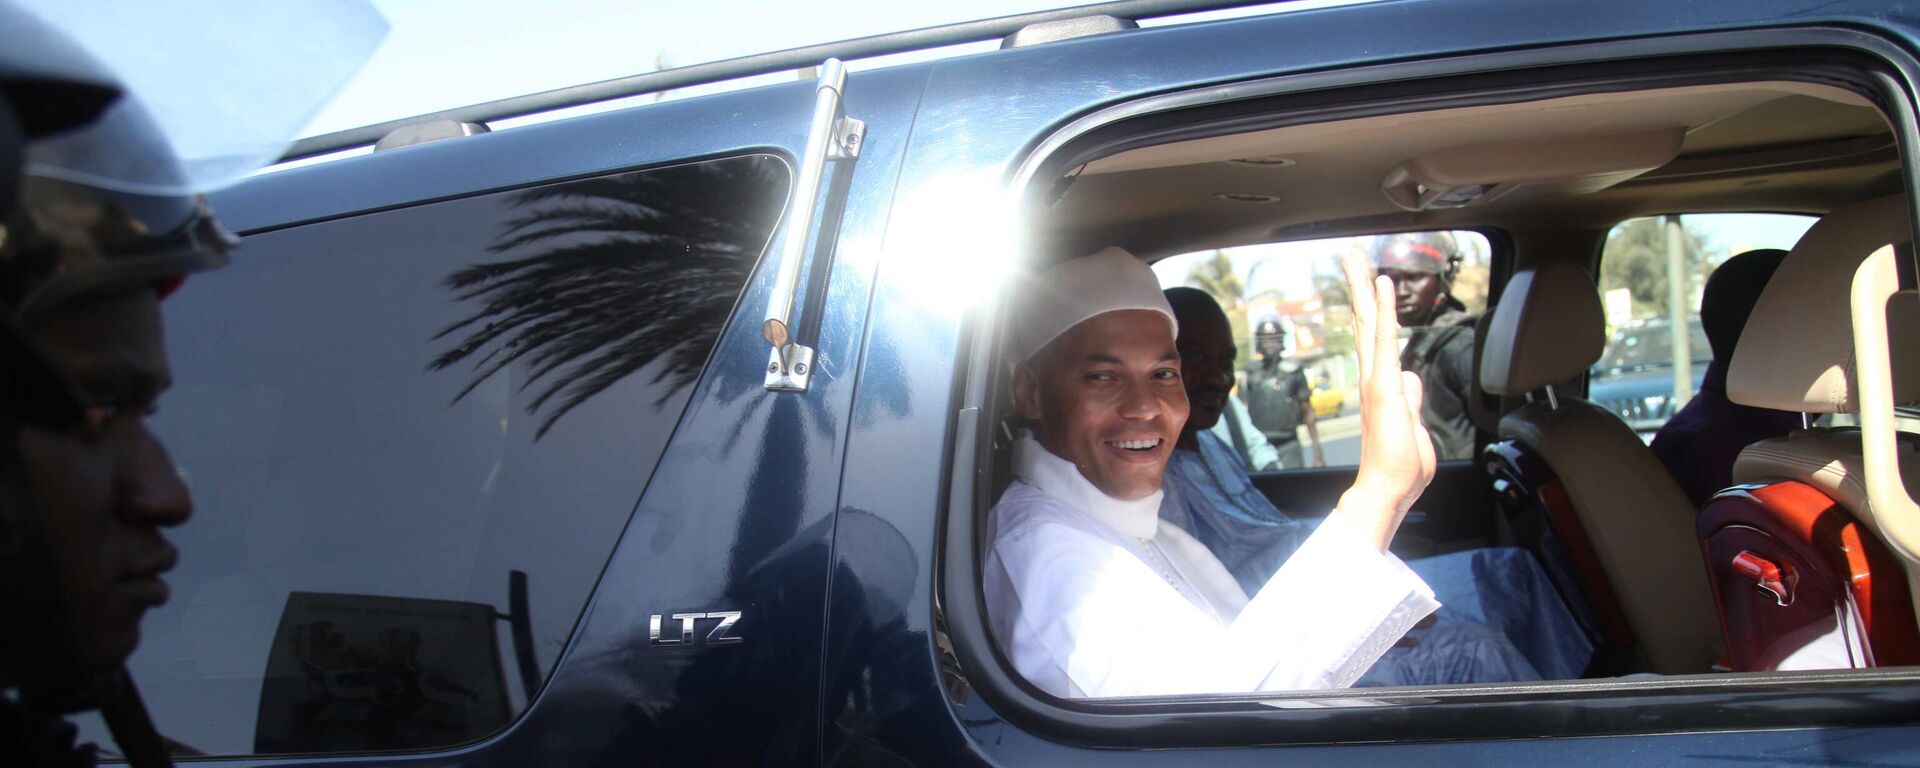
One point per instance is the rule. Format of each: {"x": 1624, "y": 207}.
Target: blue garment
{"x": 1450, "y": 652}
{"x": 1499, "y": 620}
{"x": 1699, "y": 444}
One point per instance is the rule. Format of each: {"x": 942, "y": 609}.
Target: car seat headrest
{"x": 1796, "y": 352}
{"x": 1548, "y": 328}
{"x": 1485, "y": 409}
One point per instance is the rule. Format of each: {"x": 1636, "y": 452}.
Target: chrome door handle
{"x": 831, "y": 136}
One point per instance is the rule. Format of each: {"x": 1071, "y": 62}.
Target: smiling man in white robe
{"x": 1091, "y": 594}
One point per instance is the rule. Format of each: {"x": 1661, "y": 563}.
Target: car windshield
{"x": 1650, "y": 345}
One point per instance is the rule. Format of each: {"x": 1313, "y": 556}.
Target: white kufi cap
{"x": 1072, "y": 292}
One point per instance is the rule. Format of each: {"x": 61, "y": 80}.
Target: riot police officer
{"x": 85, "y": 489}
{"x": 1438, "y": 330}
{"x": 99, "y": 221}
{"x": 1279, "y": 400}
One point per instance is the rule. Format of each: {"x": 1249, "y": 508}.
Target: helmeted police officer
{"x": 101, "y": 218}
{"x": 85, "y": 488}
{"x": 1438, "y": 330}
{"x": 1279, "y": 399}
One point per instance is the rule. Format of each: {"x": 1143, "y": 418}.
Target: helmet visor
{"x": 226, "y": 85}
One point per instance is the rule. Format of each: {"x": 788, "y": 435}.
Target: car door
{"x": 923, "y": 680}
{"x": 492, "y": 466}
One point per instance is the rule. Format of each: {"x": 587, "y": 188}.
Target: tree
{"x": 1217, "y": 277}
{"x": 1338, "y": 306}
{"x": 1636, "y": 259}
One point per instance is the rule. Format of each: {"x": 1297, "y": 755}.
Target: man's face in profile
{"x": 106, "y": 487}
{"x": 1415, "y": 295}
{"x": 1206, "y": 362}
{"x": 1107, "y": 396}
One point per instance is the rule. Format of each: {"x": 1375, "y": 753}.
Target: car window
{"x": 413, "y": 438}
{"x": 1647, "y": 373}
{"x": 1294, "y": 403}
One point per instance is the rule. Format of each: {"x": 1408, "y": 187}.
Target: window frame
{"x": 1709, "y": 702}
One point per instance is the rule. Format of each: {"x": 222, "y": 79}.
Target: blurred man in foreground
{"x": 100, "y": 219}
{"x": 87, "y": 488}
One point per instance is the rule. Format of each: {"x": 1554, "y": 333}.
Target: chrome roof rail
{"x": 758, "y": 64}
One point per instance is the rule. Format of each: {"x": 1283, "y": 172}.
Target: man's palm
{"x": 1396, "y": 453}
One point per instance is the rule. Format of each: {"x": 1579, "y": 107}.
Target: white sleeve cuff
{"x": 1334, "y": 607}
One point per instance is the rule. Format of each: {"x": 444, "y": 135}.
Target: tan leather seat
{"x": 1801, "y": 499}
{"x": 1828, "y": 459}
{"x": 1797, "y": 351}
{"x": 1549, "y": 328}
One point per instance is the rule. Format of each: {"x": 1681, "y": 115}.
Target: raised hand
{"x": 1396, "y": 453}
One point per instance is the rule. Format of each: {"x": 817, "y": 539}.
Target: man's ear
{"x": 1026, "y": 392}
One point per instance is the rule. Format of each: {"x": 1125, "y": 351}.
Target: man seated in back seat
{"x": 1698, "y": 445}
{"x": 1091, "y": 594}
{"x": 1493, "y": 601}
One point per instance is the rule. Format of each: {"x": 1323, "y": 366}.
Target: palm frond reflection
{"x": 606, "y": 277}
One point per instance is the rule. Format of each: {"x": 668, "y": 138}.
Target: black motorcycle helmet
{"x": 1268, "y": 327}
{"x": 45, "y": 88}
{"x": 67, "y": 232}
{"x": 1269, "y": 336}
{"x": 64, "y": 236}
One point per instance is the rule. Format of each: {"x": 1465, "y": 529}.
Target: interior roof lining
{"x": 1130, "y": 197}
{"x": 1279, "y": 141}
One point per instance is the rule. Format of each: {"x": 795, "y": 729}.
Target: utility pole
{"x": 1678, "y": 289}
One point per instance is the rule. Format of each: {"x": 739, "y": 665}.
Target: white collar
{"x": 1059, "y": 478}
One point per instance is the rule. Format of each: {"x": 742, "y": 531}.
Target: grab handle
{"x": 1774, "y": 579}
{"x": 831, "y": 136}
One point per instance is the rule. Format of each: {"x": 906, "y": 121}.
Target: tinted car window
{"x": 396, "y": 424}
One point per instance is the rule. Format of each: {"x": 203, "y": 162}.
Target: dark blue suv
{"x": 666, "y": 434}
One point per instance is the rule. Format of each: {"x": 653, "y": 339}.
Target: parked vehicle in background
{"x": 1634, "y": 379}
{"x": 1327, "y": 401}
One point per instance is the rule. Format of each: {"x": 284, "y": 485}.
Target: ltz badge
{"x": 720, "y": 634}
